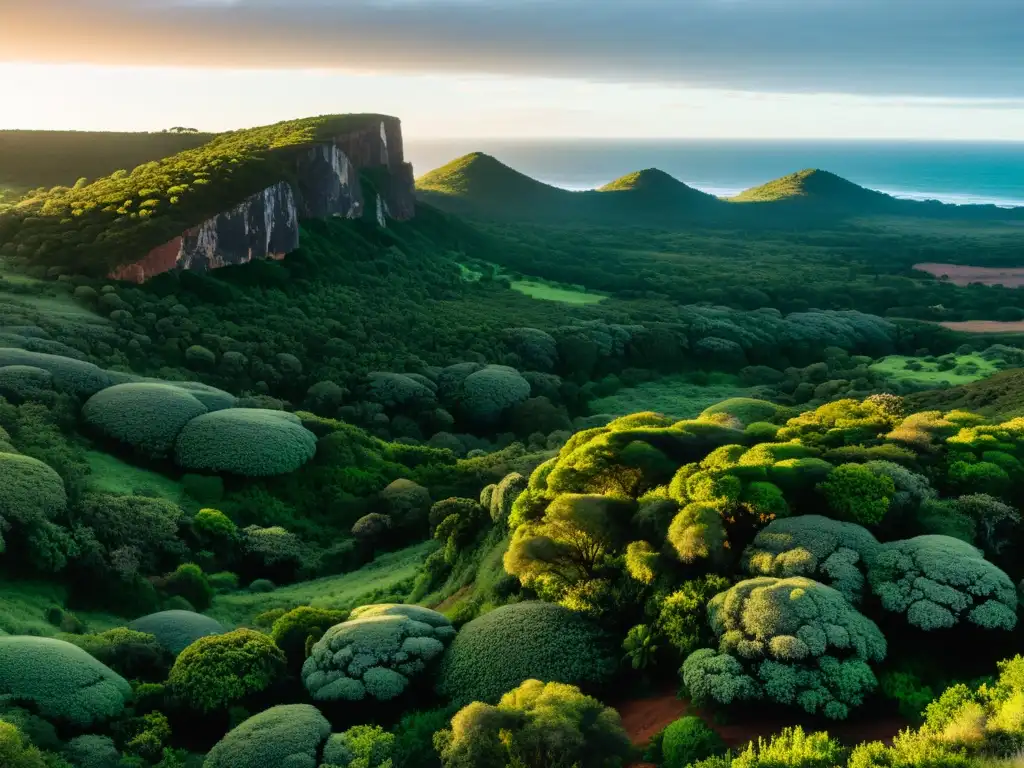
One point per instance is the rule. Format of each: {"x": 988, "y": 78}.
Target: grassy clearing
{"x": 108, "y": 474}
{"x": 968, "y": 368}
{"x": 547, "y": 292}
{"x": 675, "y": 396}
{"x": 58, "y": 306}
{"x": 374, "y": 581}
{"x": 23, "y": 606}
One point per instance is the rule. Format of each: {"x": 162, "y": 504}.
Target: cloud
{"x": 934, "y": 48}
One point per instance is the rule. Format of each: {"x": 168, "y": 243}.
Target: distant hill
{"x": 815, "y": 186}
{"x": 813, "y": 191}
{"x": 998, "y": 396}
{"x": 31, "y": 159}
{"x": 480, "y": 185}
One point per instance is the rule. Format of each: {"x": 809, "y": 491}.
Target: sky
{"x": 882, "y": 69}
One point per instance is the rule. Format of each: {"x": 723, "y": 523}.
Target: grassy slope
{"x": 1000, "y": 396}
{"x": 541, "y": 290}
{"x": 812, "y": 185}
{"x": 113, "y": 219}
{"x": 23, "y": 605}
{"x": 108, "y": 474}
{"x": 674, "y": 396}
{"x": 30, "y": 159}
{"x": 372, "y": 581}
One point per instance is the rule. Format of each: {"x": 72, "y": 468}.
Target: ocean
{"x": 953, "y": 172}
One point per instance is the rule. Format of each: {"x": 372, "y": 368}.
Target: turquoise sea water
{"x": 954, "y": 172}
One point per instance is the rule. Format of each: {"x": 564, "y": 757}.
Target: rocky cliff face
{"x": 266, "y": 225}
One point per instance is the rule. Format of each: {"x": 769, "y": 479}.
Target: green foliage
{"x": 92, "y": 751}
{"x": 148, "y": 417}
{"x": 504, "y": 497}
{"x": 834, "y": 553}
{"x": 855, "y": 494}
{"x": 697, "y": 533}
{"x": 499, "y": 650}
{"x": 292, "y": 630}
{"x": 745, "y": 410}
{"x": 16, "y": 751}
{"x": 245, "y": 441}
{"x": 376, "y": 653}
{"x": 131, "y": 654}
{"x": 641, "y": 561}
{"x": 132, "y": 532}
{"x": 688, "y": 740}
{"x": 64, "y": 683}
{"x": 640, "y": 646}
{"x": 362, "y": 746}
{"x": 792, "y": 748}
{"x": 938, "y": 581}
{"x": 24, "y": 382}
{"x": 75, "y": 377}
{"x": 176, "y": 630}
{"x": 286, "y": 735}
{"x": 217, "y": 671}
{"x": 189, "y": 581}
{"x": 214, "y": 524}
{"x": 536, "y": 725}
{"x": 792, "y": 640}
{"x": 32, "y": 493}
{"x": 682, "y": 619}
{"x": 406, "y": 502}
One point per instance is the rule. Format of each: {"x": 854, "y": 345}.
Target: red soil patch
{"x": 958, "y": 274}
{"x": 643, "y": 718}
{"x": 985, "y": 326}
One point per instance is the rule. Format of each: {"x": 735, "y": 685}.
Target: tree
{"x": 537, "y": 725}
{"x": 857, "y": 495}
{"x": 794, "y": 641}
{"x": 938, "y": 581}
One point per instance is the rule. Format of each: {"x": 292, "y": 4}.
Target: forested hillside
{"x": 440, "y": 493}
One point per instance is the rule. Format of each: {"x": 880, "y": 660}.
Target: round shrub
{"x": 406, "y": 502}
{"x": 133, "y": 655}
{"x": 857, "y": 494}
{"x": 497, "y": 651}
{"x": 189, "y": 581}
{"x": 375, "y": 653}
{"x": 688, "y": 740}
{"x": 536, "y": 724}
{"x": 20, "y": 382}
{"x": 92, "y": 751}
{"x": 291, "y": 631}
{"x": 487, "y": 393}
{"x": 219, "y": 670}
{"x": 262, "y": 586}
{"x": 69, "y": 375}
{"x": 214, "y": 399}
{"x": 746, "y": 410}
{"x": 63, "y": 682}
{"x": 362, "y": 746}
{"x": 176, "y": 630}
{"x": 146, "y": 416}
{"x": 794, "y": 641}
{"x": 200, "y": 357}
{"x": 30, "y": 491}
{"x": 245, "y": 441}
{"x": 504, "y": 496}
{"x": 214, "y": 524}
{"x": 397, "y": 390}
{"x": 939, "y": 581}
{"x": 288, "y": 735}
{"x": 834, "y": 553}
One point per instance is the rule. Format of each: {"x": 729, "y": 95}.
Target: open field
{"x": 967, "y": 368}
{"x": 108, "y": 474}
{"x": 986, "y": 326}
{"x": 1010, "y": 277}
{"x": 675, "y": 396}
{"x": 539, "y": 290}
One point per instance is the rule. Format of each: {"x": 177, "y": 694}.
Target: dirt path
{"x": 959, "y": 274}
{"x": 985, "y": 326}
{"x": 643, "y": 718}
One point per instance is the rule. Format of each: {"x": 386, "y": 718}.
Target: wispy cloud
{"x": 930, "y": 48}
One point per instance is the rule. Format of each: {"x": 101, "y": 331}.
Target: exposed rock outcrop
{"x": 326, "y": 182}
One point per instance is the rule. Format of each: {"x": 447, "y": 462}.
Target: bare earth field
{"x": 1011, "y": 277}
{"x": 985, "y": 326}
